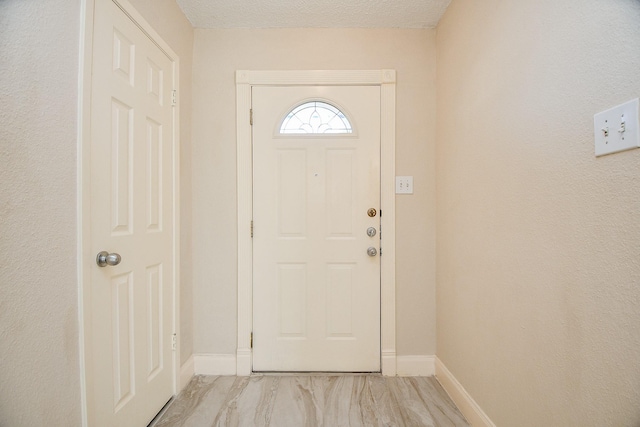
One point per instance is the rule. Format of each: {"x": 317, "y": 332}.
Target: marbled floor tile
{"x": 312, "y": 401}
{"x": 412, "y": 409}
{"x": 363, "y": 404}
{"x": 198, "y": 404}
{"x": 229, "y": 412}
{"x": 250, "y": 404}
{"x": 190, "y": 399}
{"x": 440, "y": 406}
{"x": 340, "y": 396}
{"x": 385, "y": 405}
{"x": 268, "y": 390}
{"x": 299, "y": 402}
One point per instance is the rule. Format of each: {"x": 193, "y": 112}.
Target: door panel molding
{"x": 245, "y": 79}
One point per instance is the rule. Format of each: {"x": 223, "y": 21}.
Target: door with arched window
{"x": 316, "y": 166}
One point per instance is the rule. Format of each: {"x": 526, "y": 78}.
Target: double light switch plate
{"x": 617, "y": 129}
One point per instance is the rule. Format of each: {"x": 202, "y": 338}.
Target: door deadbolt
{"x": 371, "y": 231}
{"x": 372, "y": 212}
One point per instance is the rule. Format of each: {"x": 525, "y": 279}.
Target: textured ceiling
{"x": 314, "y": 13}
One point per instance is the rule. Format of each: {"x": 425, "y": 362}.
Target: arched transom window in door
{"x": 315, "y": 117}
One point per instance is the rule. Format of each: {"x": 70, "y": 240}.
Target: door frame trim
{"x": 85, "y": 257}
{"x": 386, "y": 80}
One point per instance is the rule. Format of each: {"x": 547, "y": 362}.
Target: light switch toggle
{"x": 605, "y": 131}
{"x": 623, "y": 126}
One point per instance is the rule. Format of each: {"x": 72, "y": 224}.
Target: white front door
{"x": 132, "y": 197}
{"x": 316, "y": 287}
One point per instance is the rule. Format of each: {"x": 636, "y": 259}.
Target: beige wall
{"x": 39, "y": 363}
{"x": 39, "y": 348}
{"x": 168, "y": 20}
{"x": 538, "y": 295}
{"x": 217, "y": 54}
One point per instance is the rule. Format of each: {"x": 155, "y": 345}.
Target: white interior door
{"x": 132, "y": 198}
{"x": 316, "y": 288}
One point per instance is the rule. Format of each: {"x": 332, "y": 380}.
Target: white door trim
{"x": 85, "y": 258}
{"x": 386, "y": 79}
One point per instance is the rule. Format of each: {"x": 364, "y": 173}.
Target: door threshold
{"x": 312, "y": 374}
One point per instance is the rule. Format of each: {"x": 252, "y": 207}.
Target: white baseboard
{"x": 187, "y": 371}
{"x": 463, "y": 400}
{"x": 243, "y": 362}
{"x": 416, "y": 366}
{"x": 214, "y": 364}
{"x": 228, "y": 364}
{"x": 389, "y": 363}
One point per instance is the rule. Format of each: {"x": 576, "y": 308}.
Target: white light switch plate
{"x": 617, "y": 128}
{"x": 404, "y": 185}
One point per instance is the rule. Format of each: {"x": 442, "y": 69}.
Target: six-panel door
{"x": 132, "y": 202}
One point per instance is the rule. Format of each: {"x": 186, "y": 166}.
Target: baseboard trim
{"x": 389, "y": 363}
{"x": 229, "y": 364}
{"x": 187, "y": 371}
{"x": 416, "y": 366}
{"x": 214, "y": 364}
{"x": 243, "y": 362}
{"x": 463, "y": 400}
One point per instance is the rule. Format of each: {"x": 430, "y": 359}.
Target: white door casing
{"x": 245, "y": 81}
{"x": 316, "y": 289}
{"x": 129, "y": 200}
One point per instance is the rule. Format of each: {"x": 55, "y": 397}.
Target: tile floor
{"x": 311, "y": 400}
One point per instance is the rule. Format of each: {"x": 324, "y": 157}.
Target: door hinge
{"x": 174, "y": 97}
{"x": 251, "y": 117}
{"x": 251, "y": 228}
{"x": 174, "y": 342}
{"x": 251, "y": 340}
